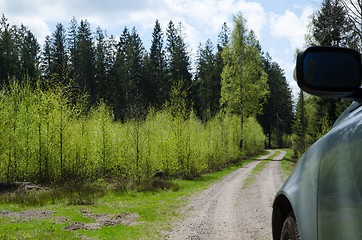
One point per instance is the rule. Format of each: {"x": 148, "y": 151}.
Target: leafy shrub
{"x": 48, "y": 137}
{"x": 254, "y": 138}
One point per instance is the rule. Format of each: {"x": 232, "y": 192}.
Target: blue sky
{"x": 280, "y": 25}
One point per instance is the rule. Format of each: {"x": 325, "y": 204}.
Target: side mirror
{"x": 329, "y": 71}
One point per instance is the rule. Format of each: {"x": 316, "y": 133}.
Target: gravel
{"x": 229, "y": 210}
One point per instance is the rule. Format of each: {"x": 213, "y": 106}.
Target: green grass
{"x": 287, "y": 164}
{"x": 258, "y": 168}
{"x": 157, "y": 210}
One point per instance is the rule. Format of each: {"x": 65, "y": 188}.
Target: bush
{"x": 48, "y": 137}
{"x": 253, "y": 136}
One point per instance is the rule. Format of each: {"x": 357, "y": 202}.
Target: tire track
{"x": 226, "y": 210}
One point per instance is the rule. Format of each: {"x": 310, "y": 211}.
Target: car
{"x": 322, "y": 198}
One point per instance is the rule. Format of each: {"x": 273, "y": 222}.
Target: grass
{"x": 157, "y": 210}
{"x": 261, "y": 165}
{"x": 287, "y": 164}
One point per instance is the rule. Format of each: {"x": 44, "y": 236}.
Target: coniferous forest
{"x": 86, "y": 105}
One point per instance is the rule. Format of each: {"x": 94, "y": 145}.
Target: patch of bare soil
{"x": 229, "y": 210}
{"x": 20, "y": 186}
{"x": 101, "y": 220}
{"x": 26, "y": 215}
{"x": 104, "y": 219}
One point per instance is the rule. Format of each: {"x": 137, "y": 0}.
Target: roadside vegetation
{"x": 52, "y": 214}
{"x": 261, "y": 165}
{"x": 46, "y": 138}
{"x": 288, "y": 163}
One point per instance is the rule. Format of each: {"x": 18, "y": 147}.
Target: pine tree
{"x": 56, "y": 57}
{"x": 159, "y": 87}
{"x": 178, "y": 61}
{"x": 277, "y": 110}
{"x": 85, "y": 56}
{"x": 29, "y": 56}
{"x": 72, "y": 46}
{"x": 135, "y": 87}
{"x": 330, "y": 25}
{"x": 207, "y": 82}
{"x": 101, "y": 78}
{"x": 119, "y": 77}
{"x": 9, "y": 55}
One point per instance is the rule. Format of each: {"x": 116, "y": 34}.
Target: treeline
{"x": 88, "y": 105}
{"x": 46, "y": 137}
{"x": 118, "y": 71}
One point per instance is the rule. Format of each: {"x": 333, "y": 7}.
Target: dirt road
{"x": 231, "y": 210}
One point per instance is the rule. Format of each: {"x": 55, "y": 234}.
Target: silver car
{"x": 322, "y": 198}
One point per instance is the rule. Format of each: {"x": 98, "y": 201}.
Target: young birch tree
{"x": 244, "y": 82}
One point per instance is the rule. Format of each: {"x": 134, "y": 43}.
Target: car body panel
{"x": 340, "y": 180}
{"x": 325, "y": 188}
{"x": 301, "y": 189}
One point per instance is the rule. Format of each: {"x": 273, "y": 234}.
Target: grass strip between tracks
{"x": 258, "y": 168}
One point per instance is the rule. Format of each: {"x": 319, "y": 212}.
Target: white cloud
{"x": 255, "y": 15}
{"x": 291, "y": 26}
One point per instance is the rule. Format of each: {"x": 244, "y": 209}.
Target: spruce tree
{"x": 9, "y": 54}
{"x": 206, "y": 84}
{"x": 30, "y": 56}
{"x": 85, "y": 65}
{"x": 58, "y": 57}
{"x": 159, "y": 87}
{"x": 277, "y": 110}
{"x": 178, "y": 60}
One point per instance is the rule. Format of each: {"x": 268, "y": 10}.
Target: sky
{"x": 280, "y": 25}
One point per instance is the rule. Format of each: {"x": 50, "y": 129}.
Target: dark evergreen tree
{"x": 85, "y": 60}
{"x": 127, "y": 75}
{"x": 178, "y": 61}
{"x": 136, "y": 86}
{"x": 101, "y": 76}
{"x": 277, "y": 113}
{"x": 46, "y": 59}
{"x": 223, "y": 37}
{"x": 158, "y": 84}
{"x": 28, "y": 50}
{"x": 72, "y": 46}
{"x": 30, "y": 56}
{"x": 331, "y": 25}
{"x": 55, "y": 55}
{"x": 207, "y": 82}
{"x": 118, "y": 77}
{"x": 9, "y": 54}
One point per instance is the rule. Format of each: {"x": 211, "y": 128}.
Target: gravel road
{"x": 231, "y": 210}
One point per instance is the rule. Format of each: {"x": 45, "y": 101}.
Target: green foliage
{"x": 331, "y": 26}
{"x": 277, "y": 110}
{"x": 288, "y": 163}
{"x": 158, "y": 208}
{"x": 254, "y": 138}
{"x": 207, "y": 83}
{"x": 47, "y": 137}
{"x": 244, "y": 82}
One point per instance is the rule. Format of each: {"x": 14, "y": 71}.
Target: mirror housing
{"x": 329, "y": 71}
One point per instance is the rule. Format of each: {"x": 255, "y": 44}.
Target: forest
{"x": 87, "y": 105}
